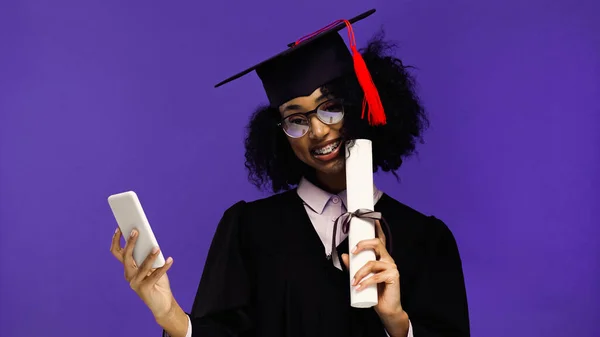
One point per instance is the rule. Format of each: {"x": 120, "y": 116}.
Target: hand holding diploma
{"x": 385, "y": 274}
{"x": 386, "y": 277}
{"x": 375, "y": 277}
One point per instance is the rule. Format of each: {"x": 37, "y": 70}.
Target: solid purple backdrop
{"x": 99, "y": 97}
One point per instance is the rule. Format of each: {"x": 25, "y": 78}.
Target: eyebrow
{"x": 297, "y": 107}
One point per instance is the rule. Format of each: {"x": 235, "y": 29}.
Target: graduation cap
{"x": 314, "y": 60}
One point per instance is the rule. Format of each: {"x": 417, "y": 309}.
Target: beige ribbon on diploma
{"x": 363, "y": 214}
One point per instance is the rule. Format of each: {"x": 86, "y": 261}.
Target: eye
{"x": 332, "y": 106}
{"x": 298, "y": 119}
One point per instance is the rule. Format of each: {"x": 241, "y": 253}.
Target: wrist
{"x": 166, "y": 317}
{"x": 396, "y": 323}
{"x": 174, "y": 321}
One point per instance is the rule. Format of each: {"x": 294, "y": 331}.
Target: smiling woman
{"x": 315, "y": 141}
{"x": 271, "y": 270}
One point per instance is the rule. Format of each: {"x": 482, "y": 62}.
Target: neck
{"x": 332, "y": 183}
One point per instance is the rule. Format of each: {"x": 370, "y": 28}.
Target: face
{"x": 320, "y": 147}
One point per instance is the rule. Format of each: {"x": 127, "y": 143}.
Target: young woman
{"x": 279, "y": 266}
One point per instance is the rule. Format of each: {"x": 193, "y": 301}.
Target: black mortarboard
{"x": 313, "y": 61}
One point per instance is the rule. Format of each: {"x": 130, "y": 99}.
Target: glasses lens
{"x": 331, "y": 112}
{"x": 296, "y": 126}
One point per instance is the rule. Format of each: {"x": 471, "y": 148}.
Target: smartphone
{"x": 128, "y": 212}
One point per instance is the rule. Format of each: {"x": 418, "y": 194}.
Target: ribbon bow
{"x": 362, "y": 214}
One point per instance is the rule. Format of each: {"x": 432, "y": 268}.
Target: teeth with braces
{"x": 327, "y": 149}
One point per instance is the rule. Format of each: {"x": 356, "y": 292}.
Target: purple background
{"x": 98, "y": 97}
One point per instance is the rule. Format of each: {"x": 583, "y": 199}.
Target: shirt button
{"x": 335, "y": 200}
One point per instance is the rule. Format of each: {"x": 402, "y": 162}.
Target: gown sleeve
{"x": 440, "y": 301}
{"x": 222, "y": 303}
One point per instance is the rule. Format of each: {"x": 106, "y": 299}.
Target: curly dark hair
{"x": 269, "y": 156}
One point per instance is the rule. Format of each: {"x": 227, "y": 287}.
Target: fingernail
{"x": 116, "y": 230}
{"x": 353, "y": 280}
{"x": 133, "y": 233}
{"x": 169, "y": 260}
{"x": 354, "y": 249}
{"x": 154, "y": 250}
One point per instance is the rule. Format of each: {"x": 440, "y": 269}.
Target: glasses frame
{"x": 313, "y": 111}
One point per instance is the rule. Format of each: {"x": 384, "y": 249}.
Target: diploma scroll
{"x": 359, "y": 184}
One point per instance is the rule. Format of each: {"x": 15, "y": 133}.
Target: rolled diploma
{"x": 359, "y": 184}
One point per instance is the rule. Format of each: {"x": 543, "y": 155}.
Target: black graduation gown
{"x": 267, "y": 275}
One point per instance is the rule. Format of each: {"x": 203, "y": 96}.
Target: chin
{"x": 335, "y": 166}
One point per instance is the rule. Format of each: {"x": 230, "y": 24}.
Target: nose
{"x": 318, "y": 129}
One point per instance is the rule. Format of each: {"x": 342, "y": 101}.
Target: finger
{"x": 128, "y": 253}
{"x": 379, "y": 231}
{"x": 376, "y": 245}
{"x": 371, "y": 267}
{"x": 146, "y": 266}
{"x": 158, "y": 273}
{"x": 128, "y": 261}
{"x": 389, "y": 276}
{"x": 363, "y": 245}
{"x": 346, "y": 260}
{"x": 115, "y": 247}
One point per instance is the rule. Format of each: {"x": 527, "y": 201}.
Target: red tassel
{"x": 371, "y": 101}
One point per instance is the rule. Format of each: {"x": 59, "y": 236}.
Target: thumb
{"x": 346, "y": 260}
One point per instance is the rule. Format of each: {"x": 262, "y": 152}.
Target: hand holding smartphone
{"x": 129, "y": 214}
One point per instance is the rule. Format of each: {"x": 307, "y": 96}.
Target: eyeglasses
{"x": 329, "y": 112}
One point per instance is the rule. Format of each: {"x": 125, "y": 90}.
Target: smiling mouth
{"x": 327, "y": 149}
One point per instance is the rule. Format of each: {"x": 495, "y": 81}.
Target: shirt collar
{"x": 317, "y": 198}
